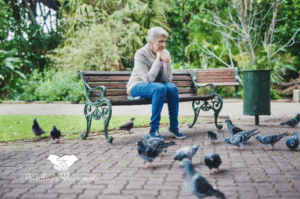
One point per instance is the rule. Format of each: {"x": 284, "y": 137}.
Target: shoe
{"x": 177, "y": 133}
{"x": 155, "y": 134}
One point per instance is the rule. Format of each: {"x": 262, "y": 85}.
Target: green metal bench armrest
{"x": 88, "y": 89}
{"x": 213, "y": 87}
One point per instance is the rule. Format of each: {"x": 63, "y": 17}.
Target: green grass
{"x": 18, "y": 127}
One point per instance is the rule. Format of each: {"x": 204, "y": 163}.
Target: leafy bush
{"x": 51, "y": 87}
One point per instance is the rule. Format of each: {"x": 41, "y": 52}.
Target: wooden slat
{"x": 111, "y": 85}
{"x": 216, "y": 75}
{"x": 182, "y": 78}
{"x": 216, "y": 69}
{"x": 220, "y": 83}
{"x": 106, "y": 78}
{"x": 183, "y": 83}
{"x": 124, "y": 92}
{"x": 216, "y": 80}
{"x": 121, "y": 100}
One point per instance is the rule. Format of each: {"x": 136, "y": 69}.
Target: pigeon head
{"x": 227, "y": 140}
{"x": 188, "y": 165}
{"x": 228, "y": 121}
{"x": 34, "y": 121}
{"x": 54, "y": 127}
{"x": 295, "y": 134}
{"x": 132, "y": 119}
{"x": 258, "y": 138}
{"x": 140, "y": 145}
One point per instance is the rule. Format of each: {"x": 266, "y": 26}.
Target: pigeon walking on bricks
{"x": 127, "y": 126}
{"x": 185, "y": 152}
{"x": 213, "y": 136}
{"x": 212, "y": 160}
{"x": 197, "y": 184}
{"x": 148, "y": 153}
{"x": 55, "y": 134}
{"x": 36, "y": 129}
{"x": 270, "y": 140}
{"x": 292, "y": 122}
{"x": 232, "y": 128}
{"x": 240, "y": 138}
{"x": 293, "y": 141}
{"x": 157, "y": 142}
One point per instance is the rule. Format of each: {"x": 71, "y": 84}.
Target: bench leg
{"x": 217, "y": 107}
{"x": 105, "y": 114}
{"x": 196, "y": 113}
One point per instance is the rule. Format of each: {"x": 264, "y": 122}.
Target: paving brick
{"x": 113, "y": 189}
{"x": 15, "y": 193}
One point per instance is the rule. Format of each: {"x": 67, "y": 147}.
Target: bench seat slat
{"x": 124, "y": 92}
{"x": 220, "y": 83}
{"x": 122, "y": 85}
{"x": 121, "y": 100}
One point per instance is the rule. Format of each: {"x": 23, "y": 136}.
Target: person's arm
{"x": 141, "y": 68}
{"x": 167, "y": 68}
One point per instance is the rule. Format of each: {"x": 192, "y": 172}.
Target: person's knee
{"x": 172, "y": 88}
{"x": 160, "y": 88}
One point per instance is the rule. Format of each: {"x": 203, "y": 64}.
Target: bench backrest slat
{"x": 216, "y": 75}
{"x": 115, "y": 83}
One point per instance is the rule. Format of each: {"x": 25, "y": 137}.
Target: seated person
{"x": 151, "y": 79}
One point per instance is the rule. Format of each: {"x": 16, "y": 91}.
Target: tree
{"x": 241, "y": 26}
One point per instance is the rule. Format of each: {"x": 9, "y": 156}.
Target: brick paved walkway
{"x": 115, "y": 171}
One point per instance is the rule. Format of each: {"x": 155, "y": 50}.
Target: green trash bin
{"x": 256, "y": 100}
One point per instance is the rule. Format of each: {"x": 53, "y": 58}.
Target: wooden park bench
{"x": 106, "y": 89}
{"x": 217, "y": 76}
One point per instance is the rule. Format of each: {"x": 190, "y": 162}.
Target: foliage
{"x": 10, "y": 71}
{"x": 126, "y": 21}
{"x": 93, "y": 48}
{"x": 49, "y": 86}
{"x": 23, "y": 49}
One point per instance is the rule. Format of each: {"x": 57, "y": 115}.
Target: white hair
{"x": 154, "y": 32}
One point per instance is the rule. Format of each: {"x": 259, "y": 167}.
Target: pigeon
{"x": 212, "y": 160}
{"x": 270, "y": 140}
{"x": 293, "y": 141}
{"x": 157, "y": 142}
{"x": 37, "y": 130}
{"x": 213, "y": 136}
{"x": 292, "y": 122}
{"x": 127, "y": 126}
{"x": 185, "y": 152}
{"x": 240, "y": 138}
{"x": 232, "y": 128}
{"x": 197, "y": 184}
{"x": 55, "y": 134}
{"x": 148, "y": 153}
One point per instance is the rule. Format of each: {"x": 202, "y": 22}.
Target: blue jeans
{"x": 158, "y": 92}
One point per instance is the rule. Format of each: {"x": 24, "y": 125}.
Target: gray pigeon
{"x": 292, "y": 122}
{"x": 293, "y": 141}
{"x": 186, "y": 152}
{"x": 148, "y": 153}
{"x": 213, "y": 136}
{"x": 197, "y": 184}
{"x": 157, "y": 142}
{"x": 36, "y": 129}
{"x": 127, "y": 126}
{"x": 240, "y": 138}
{"x": 55, "y": 134}
{"x": 270, "y": 140}
{"x": 212, "y": 160}
{"x": 232, "y": 128}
